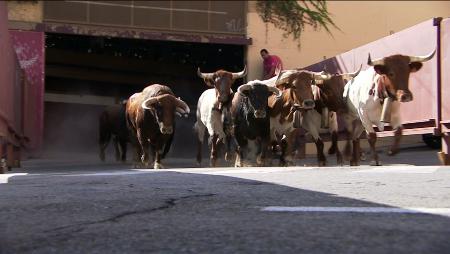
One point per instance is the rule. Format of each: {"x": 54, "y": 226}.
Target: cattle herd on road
{"x": 257, "y": 123}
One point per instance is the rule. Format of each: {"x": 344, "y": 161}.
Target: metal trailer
{"x": 428, "y": 113}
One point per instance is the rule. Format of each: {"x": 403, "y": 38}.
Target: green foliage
{"x": 292, "y": 16}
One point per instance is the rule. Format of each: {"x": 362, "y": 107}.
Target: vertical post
{"x": 2, "y": 160}
{"x": 9, "y": 156}
{"x": 443, "y": 155}
{"x": 437, "y": 24}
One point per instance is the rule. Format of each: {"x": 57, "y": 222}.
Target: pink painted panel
{"x": 30, "y": 50}
{"x": 417, "y": 40}
{"x": 11, "y": 85}
{"x": 445, "y": 47}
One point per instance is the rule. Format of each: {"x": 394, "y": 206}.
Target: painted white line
{"x": 5, "y": 177}
{"x": 406, "y": 169}
{"x": 403, "y": 210}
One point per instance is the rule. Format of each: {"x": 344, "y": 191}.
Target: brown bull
{"x": 296, "y": 98}
{"x": 150, "y": 117}
{"x": 112, "y": 123}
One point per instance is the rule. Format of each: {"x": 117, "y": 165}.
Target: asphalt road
{"x": 78, "y": 205}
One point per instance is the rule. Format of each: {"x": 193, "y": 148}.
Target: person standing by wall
{"x": 271, "y": 64}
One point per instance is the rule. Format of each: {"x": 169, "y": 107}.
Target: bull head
{"x": 395, "y": 72}
{"x": 164, "y": 106}
{"x": 256, "y": 95}
{"x": 221, "y": 80}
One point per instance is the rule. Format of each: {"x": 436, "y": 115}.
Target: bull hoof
{"x": 332, "y": 150}
{"x": 375, "y": 163}
{"x": 322, "y": 163}
{"x": 354, "y": 163}
{"x": 228, "y": 157}
{"x": 392, "y": 152}
{"x": 158, "y": 166}
{"x": 102, "y": 157}
{"x": 362, "y": 156}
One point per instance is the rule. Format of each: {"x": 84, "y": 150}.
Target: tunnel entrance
{"x": 84, "y": 74}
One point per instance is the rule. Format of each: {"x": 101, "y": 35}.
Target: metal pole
{"x": 437, "y": 130}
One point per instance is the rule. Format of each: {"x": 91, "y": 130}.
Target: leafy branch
{"x": 292, "y": 16}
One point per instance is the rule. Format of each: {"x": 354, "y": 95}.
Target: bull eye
{"x": 391, "y": 75}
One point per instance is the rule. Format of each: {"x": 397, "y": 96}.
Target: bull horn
{"x": 283, "y": 76}
{"x": 321, "y": 76}
{"x": 422, "y": 58}
{"x": 243, "y": 88}
{"x": 145, "y": 104}
{"x": 182, "y": 107}
{"x": 204, "y": 75}
{"x": 274, "y": 90}
{"x": 375, "y": 62}
{"x": 352, "y": 75}
{"x": 240, "y": 74}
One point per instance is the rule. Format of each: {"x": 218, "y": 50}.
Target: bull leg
{"x": 356, "y": 153}
{"x": 157, "y": 158}
{"x": 116, "y": 148}
{"x": 283, "y": 148}
{"x": 322, "y": 161}
{"x": 144, "y": 144}
{"x": 213, "y": 155}
{"x": 263, "y": 147}
{"x": 200, "y": 129}
{"x": 123, "y": 150}
{"x": 229, "y": 152}
{"x": 335, "y": 148}
{"x": 397, "y": 138}
{"x": 372, "y": 139}
{"x": 103, "y": 143}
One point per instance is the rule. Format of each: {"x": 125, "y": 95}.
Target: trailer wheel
{"x": 432, "y": 141}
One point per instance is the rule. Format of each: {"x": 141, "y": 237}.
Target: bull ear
{"x": 415, "y": 66}
{"x": 380, "y": 69}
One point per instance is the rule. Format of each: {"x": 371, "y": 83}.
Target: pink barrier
{"x": 11, "y": 87}
{"x": 30, "y": 50}
{"x": 420, "y": 39}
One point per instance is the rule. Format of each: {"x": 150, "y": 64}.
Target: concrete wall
{"x": 28, "y": 11}
{"x": 360, "y": 22}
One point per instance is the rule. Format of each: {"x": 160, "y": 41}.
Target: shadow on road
{"x": 175, "y": 212}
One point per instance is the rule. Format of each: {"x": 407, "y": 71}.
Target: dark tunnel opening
{"x": 84, "y": 74}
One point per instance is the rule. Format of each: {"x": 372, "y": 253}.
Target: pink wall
{"x": 417, "y": 40}
{"x": 30, "y": 50}
{"x": 11, "y": 85}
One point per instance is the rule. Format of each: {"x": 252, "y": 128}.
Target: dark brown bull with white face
{"x": 151, "y": 118}
{"x": 385, "y": 83}
{"x": 329, "y": 103}
{"x": 296, "y": 99}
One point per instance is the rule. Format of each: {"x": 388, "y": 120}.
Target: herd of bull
{"x": 258, "y": 121}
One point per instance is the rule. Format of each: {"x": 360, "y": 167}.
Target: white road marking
{"x": 405, "y": 169}
{"x": 5, "y": 177}
{"x": 403, "y": 210}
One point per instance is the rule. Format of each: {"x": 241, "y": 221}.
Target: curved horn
{"x": 375, "y": 62}
{"x": 321, "y": 76}
{"x": 422, "y": 58}
{"x": 275, "y": 91}
{"x": 283, "y": 76}
{"x": 240, "y": 74}
{"x": 352, "y": 75}
{"x": 145, "y": 104}
{"x": 204, "y": 75}
{"x": 243, "y": 88}
{"x": 181, "y": 106}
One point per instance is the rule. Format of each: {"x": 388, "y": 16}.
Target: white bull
{"x": 383, "y": 84}
{"x": 216, "y": 122}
